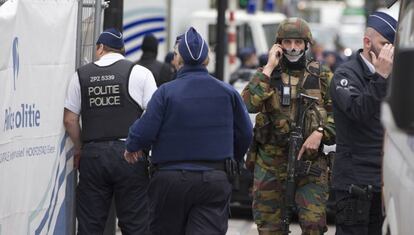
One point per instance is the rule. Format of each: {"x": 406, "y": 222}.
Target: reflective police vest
{"x": 107, "y": 107}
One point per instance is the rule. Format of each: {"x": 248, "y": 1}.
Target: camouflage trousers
{"x": 269, "y": 196}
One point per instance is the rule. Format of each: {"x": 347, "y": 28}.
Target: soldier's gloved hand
{"x": 311, "y": 144}
{"x": 383, "y": 64}
{"x": 132, "y": 157}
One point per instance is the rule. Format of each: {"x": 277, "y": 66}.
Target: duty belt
{"x": 216, "y": 165}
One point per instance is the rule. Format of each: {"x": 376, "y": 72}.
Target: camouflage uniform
{"x": 269, "y": 149}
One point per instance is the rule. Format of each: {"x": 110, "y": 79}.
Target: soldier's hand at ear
{"x": 383, "y": 64}
{"x": 275, "y": 54}
{"x": 311, "y": 144}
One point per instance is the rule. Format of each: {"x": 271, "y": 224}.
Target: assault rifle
{"x": 297, "y": 167}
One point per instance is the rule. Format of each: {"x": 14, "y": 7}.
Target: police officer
{"x": 109, "y": 95}
{"x": 161, "y": 71}
{"x": 172, "y": 59}
{"x": 193, "y": 123}
{"x": 273, "y": 93}
{"x": 249, "y": 64}
{"x": 357, "y": 90}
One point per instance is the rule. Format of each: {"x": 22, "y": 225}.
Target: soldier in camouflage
{"x": 272, "y": 93}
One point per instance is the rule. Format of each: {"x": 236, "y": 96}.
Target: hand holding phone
{"x": 278, "y": 55}
{"x": 275, "y": 54}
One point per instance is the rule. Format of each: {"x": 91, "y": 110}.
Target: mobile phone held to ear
{"x": 278, "y": 54}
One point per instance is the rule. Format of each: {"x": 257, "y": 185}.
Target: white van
{"x": 253, "y": 30}
{"x": 398, "y": 119}
{"x": 168, "y": 19}
{"x": 256, "y": 30}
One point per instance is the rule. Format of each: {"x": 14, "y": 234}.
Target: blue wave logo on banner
{"x": 142, "y": 33}
{"x": 15, "y": 60}
{"x": 141, "y": 21}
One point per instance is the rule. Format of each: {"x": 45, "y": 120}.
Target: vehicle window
{"x": 212, "y": 34}
{"x": 270, "y": 33}
{"x": 244, "y": 37}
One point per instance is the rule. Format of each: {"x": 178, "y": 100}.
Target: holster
{"x": 354, "y": 210}
{"x": 150, "y": 168}
{"x": 233, "y": 171}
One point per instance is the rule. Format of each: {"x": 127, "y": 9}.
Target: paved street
{"x": 247, "y": 227}
{"x": 244, "y": 226}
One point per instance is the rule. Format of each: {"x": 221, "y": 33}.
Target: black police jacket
{"x": 356, "y": 95}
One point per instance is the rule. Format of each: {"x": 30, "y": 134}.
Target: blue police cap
{"x": 193, "y": 48}
{"x": 246, "y": 52}
{"x": 384, "y": 24}
{"x": 111, "y": 38}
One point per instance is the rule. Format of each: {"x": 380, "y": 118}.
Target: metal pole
{"x": 79, "y": 35}
{"x": 231, "y": 36}
{"x": 97, "y": 28}
{"x": 220, "y": 38}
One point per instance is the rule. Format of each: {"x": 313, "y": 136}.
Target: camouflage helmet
{"x": 296, "y": 28}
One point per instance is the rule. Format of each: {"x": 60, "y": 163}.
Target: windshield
{"x": 270, "y": 33}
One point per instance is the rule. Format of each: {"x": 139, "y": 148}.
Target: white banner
{"x": 37, "y": 58}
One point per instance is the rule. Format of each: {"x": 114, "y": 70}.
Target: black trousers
{"x": 189, "y": 202}
{"x": 104, "y": 174}
{"x": 374, "y": 219}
